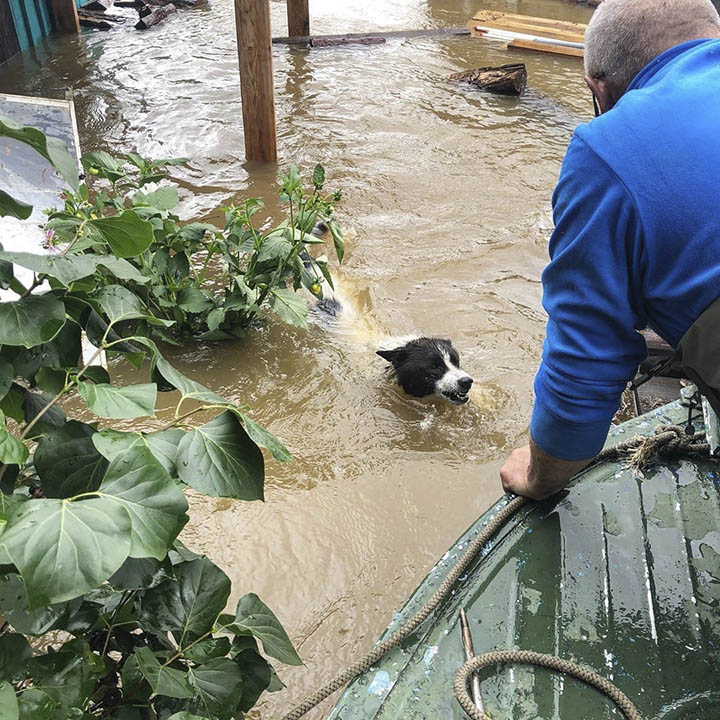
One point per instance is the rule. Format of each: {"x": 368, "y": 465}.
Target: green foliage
{"x": 192, "y": 279}
{"x": 89, "y": 514}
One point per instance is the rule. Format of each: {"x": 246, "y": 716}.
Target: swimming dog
{"x": 421, "y": 366}
{"x": 424, "y": 366}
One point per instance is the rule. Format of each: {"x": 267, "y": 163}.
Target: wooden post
{"x": 252, "y": 20}
{"x": 65, "y": 16}
{"x": 298, "y": 18}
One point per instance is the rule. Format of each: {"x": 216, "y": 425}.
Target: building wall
{"x": 9, "y": 44}
{"x": 31, "y": 19}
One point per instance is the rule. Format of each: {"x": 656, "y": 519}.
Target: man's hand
{"x": 534, "y": 474}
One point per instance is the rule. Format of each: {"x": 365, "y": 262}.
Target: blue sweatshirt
{"x": 636, "y": 243}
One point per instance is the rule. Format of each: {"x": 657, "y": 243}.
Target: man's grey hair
{"x": 625, "y": 35}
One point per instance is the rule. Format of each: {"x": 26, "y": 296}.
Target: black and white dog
{"x": 425, "y": 366}
{"x": 422, "y": 366}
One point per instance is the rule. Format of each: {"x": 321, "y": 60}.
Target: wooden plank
{"x": 428, "y": 32}
{"x": 252, "y": 20}
{"x": 529, "y": 29}
{"x": 298, "y": 14}
{"x": 497, "y": 16}
{"x": 545, "y": 47}
{"x": 65, "y": 16}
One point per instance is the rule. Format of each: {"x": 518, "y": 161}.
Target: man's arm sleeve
{"x": 592, "y": 294}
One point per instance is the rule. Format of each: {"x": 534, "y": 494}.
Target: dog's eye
{"x": 455, "y": 358}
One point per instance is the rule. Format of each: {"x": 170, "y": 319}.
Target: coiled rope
{"x": 668, "y": 440}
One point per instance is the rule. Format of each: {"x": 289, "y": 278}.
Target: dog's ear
{"x": 392, "y": 356}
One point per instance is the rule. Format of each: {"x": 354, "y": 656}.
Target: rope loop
{"x": 550, "y": 662}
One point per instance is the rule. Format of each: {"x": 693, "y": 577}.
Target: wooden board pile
{"x": 525, "y": 32}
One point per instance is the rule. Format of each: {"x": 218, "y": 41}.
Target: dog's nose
{"x": 465, "y": 383}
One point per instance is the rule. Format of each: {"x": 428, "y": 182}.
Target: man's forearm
{"x": 533, "y": 473}
{"x": 548, "y": 474}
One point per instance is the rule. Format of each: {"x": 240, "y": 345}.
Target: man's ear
{"x": 392, "y": 356}
{"x": 600, "y": 88}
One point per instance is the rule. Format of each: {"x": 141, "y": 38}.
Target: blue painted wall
{"x": 32, "y": 21}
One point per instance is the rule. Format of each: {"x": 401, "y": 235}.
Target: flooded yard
{"x": 447, "y": 211}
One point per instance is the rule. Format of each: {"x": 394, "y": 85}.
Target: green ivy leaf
{"x": 67, "y": 461}
{"x": 120, "y": 304}
{"x": 31, "y": 321}
{"x": 186, "y": 716}
{"x": 13, "y": 451}
{"x": 15, "y": 651}
{"x": 253, "y": 617}
{"x": 163, "y": 445}
{"x": 164, "y": 198}
{"x": 208, "y": 649}
{"x": 67, "y": 676}
{"x": 338, "y": 240}
{"x": 264, "y": 438}
{"x": 128, "y": 401}
{"x": 14, "y": 604}
{"x": 7, "y": 374}
{"x": 189, "y": 605}
{"x": 156, "y": 505}
{"x": 276, "y": 245}
{"x": 189, "y": 389}
{"x": 218, "y": 684}
{"x": 220, "y": 459}
{"x": 50, "y": 380}
{"x": 257, "y": 675}
{"x": 126, "y": 234}
{"x": 52, "y": 149}
{"x": 9, "y": 206}
{"x": 8, "y": 702}
{"x": 63, "y": 267}
{"x": 32, "y": 404}
{"x": 63, "y": 549}
{"x": 289, "y": 307}
{"x": 193, "y": 300}
{"x": 142, "y": 574}
{"x": 163, "y": 680}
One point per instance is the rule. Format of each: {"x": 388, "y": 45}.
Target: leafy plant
{"x": 201, "y": 280}
{"x": 132, "y": 622}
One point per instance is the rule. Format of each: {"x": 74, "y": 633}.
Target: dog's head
{"x": 426, "y": 366}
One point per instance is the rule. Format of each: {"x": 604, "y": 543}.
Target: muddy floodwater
{"x": 447, "y": 210}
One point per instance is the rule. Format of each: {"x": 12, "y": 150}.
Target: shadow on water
{"x": 446, "y": 198}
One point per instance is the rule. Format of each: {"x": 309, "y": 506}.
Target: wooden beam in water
{"x": 65, "y": 16}
{"x": 484, "y": 16}
{"x": 545, "y": 47}
{"x": 429, "y": 32}
{"x": 298, "y": 14}
{"x": 252, "y": 20}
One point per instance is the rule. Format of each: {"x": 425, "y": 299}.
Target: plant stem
{"x": 126, "y": 596}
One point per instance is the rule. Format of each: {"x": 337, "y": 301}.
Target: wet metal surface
{"x": 447, "y": 203}
{"x": 621, "y": 575}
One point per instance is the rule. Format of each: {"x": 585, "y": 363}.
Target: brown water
{"x": 447, "y": 199}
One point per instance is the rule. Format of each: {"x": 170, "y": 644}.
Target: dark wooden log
{"x": 129, "y": 3}
{"x": 99, "y": 5}
{"x": 334, "y": 42}
{"x": 153, "y": 17}
{"x": 99, "y": 20}
{"x": 504, "y": 80}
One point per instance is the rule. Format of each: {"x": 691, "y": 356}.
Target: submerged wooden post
{"x": 65, "y": 16}
{"x": 252, "y": 20}
{"x": 298, "y": 18}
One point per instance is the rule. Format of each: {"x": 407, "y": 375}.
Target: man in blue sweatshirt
{"x": 637, "y": 226}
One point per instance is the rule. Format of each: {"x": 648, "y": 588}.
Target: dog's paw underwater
{"x": 425, "y": 366}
